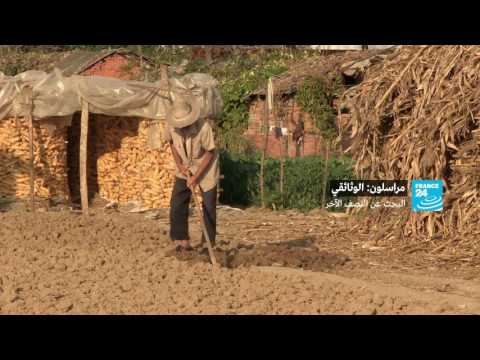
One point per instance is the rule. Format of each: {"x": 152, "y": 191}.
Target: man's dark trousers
{"x": 179, "y": 207}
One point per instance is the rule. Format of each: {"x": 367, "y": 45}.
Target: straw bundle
{"x": 416, "y": 116}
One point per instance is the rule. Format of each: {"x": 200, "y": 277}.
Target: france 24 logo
{"x": 427, "y": 195}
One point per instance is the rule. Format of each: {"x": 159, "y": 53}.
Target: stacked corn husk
{"x": 416, "y": 116}
{"x": 49, "y": 156}
{"x": 128, "y": 170}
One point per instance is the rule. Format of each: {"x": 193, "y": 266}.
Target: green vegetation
{"x": 315, "y": 96}
{"x": 238, "y": 76}
{"x": 303, "y": 180}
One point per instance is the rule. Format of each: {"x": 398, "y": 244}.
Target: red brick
{"x": 115, "y": 66}
{"x": 292, "y": 113}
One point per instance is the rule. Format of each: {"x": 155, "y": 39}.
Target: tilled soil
{"x": 115, "y": 263}
{"x": 283, "y": 255}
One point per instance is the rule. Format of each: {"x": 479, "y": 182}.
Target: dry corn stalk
{"x": 426, "y": 126}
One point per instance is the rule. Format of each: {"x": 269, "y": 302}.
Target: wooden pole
{"x": 325, "y": 173}
{"x": 140, "y": 52}
{"x": 164, "y": 80}
{"x": 211, "y": 253}
{"x": 32, "y": 161}
{"x": 282, "y": 162}
{"x": 265, "y": 146}
{"x": 208, "y": 54}
{"x": 282, "y": 174}
{"x": 83, "y": 157}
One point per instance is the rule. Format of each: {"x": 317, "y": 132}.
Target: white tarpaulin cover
{"x": 58, "y": 96}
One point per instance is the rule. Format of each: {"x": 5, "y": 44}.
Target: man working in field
{"x": 193, "y": 147}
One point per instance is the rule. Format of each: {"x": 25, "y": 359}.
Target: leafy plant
{"x": 316, "y": 96}
{"x": 238, "y": 77}
{"x": 303, "y": 180}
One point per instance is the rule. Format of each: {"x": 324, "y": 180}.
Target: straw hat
{"x": 184, "y": 112}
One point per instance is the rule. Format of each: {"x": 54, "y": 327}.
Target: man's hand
{"x": 192, "y": 182}
{"x": 183, "y": 169}
{"x": 178, "y": 161}
{"x": 193, "y": 179}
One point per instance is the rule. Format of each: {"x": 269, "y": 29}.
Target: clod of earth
{"x": 286, "y": 255}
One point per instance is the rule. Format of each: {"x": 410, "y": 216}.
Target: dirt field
{"x": 110, "y": 262}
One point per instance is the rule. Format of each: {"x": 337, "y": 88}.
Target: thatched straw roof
{"x": 326, "y": 66}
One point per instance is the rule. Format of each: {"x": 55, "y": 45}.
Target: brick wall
{"x": 292, "y": 114}
{"x": 115, "y": 66}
